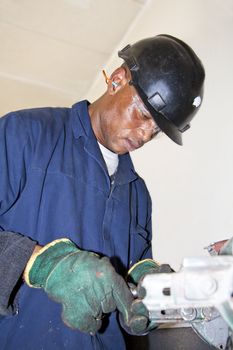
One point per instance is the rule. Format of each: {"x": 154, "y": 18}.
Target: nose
{"x": 148, "y": 128}
{"x": 146, "y": 131}
{"x": 152, "y": 124}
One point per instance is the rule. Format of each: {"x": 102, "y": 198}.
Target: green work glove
{"x": 135, "y": 275}
{"x": 86, "y": 285}
{"x": 140, "y": 269}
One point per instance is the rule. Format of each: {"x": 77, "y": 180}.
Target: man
{"x": 70, "y": 198}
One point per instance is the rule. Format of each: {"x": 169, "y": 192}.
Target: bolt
{"x": 209, "y": 313}
{"x": 188, "y": 314}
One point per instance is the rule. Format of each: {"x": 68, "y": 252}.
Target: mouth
{"x": 131, "y": 145}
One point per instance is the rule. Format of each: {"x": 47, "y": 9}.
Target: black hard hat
{"x": 168, "y": 77}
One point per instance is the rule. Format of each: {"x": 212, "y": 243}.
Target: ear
{"x": 117, "y": 80}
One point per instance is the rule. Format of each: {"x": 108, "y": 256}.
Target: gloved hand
{"x": 135, "y": 275}
{"x": 85, "y": 284}
{"x": 140, "y": 269}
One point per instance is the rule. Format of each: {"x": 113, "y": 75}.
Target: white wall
{"x": 191, "y": 186}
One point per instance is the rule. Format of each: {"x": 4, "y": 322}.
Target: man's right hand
{"x": 85, "y": 284}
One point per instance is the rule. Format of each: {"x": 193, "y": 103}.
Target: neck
{"x": 96, "y": 111}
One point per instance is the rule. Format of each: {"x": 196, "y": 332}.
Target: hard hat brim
{"x": 166, "y": 126}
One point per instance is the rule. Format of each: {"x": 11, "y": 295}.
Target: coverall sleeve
{"x": 15, "y": 249}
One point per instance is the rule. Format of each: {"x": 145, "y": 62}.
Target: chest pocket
{"x": 140, "y": 236}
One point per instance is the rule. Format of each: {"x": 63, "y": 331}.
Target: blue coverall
{"x": 53, "y": 184}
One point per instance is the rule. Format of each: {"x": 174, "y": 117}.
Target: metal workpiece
{"x": 215, "y": 332}
{"x": 200, "y": 293}
{"x": 201, "y": 282}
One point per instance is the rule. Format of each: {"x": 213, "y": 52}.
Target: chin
{"x": 120, "y": 153}
{"x": 118, "y": 149}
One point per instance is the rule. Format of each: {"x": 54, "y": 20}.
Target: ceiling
{"x": 59, "y": 46}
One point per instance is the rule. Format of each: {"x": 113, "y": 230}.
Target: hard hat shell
{"x": 168, "y": 77}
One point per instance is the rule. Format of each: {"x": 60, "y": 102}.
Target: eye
{"x": 143, "y": 115}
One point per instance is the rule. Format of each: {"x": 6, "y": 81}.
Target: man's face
{"x": 127, "y": 124}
